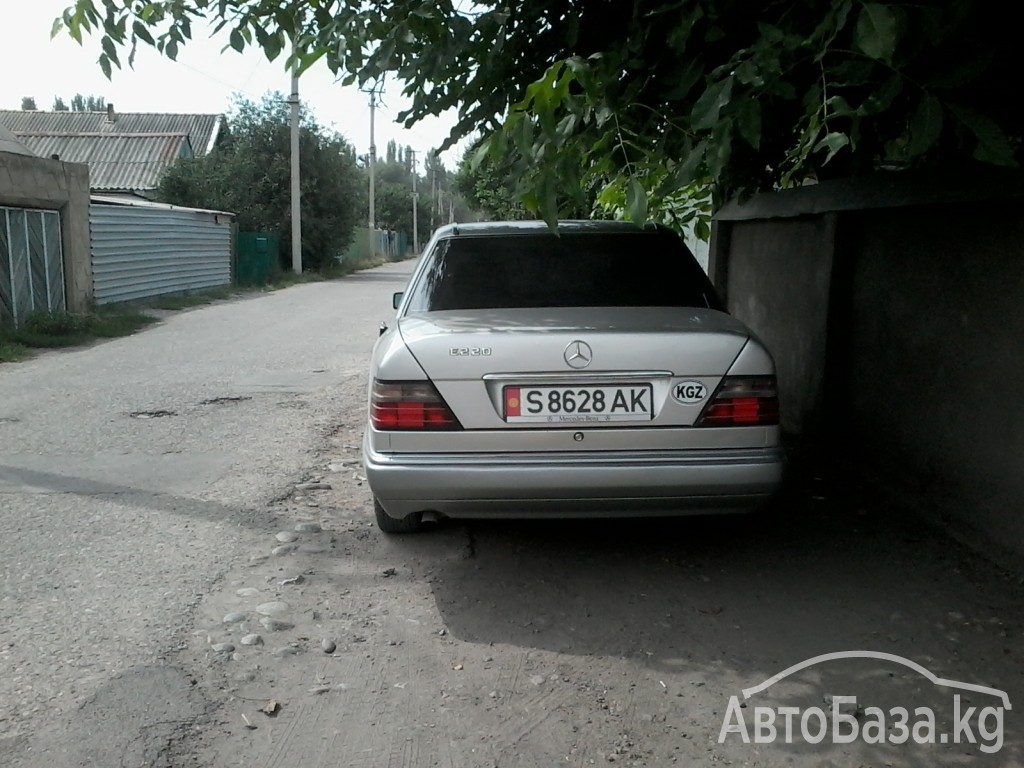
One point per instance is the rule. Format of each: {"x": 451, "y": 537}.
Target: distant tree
{"x": 394, "y": 208}
{"x": 250, "y": 176}
{"x": 81, "y": 103}
{"x": 28, "y": 103}
{"x": 59, "y": 104}
{"x": 393, "y": 172}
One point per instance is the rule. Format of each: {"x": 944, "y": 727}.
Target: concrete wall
{"x": 777, "y": 282}
{"x": 897, "y": 321}
{"x": 33, "y": 182}
{"x": 933, "y": 357}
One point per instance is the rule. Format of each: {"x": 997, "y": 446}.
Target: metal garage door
{"x": 31, "y": 264}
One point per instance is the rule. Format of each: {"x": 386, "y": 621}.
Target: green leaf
{"x": 750, "y": 122}
{"x": 531, "y": 201}
{"x": 566, "y": 127}
{"x": 685, "y": 80}
{"x": 550, "y": 206}
{"x": 770, "y": 33}
{"x": 636, "y": 201}
{"x": 959, "y": 71}
{"x": 105, "y": 65}
{"x": 838, "y": 106}
{"x": 834, "y": 142}
{"x": 74, "y": 29}
{"x": 748, "y": 74}
{"x": 993, "y": 145}
{"x": 709, "y": 105}
{"x": 110, "y": 50}
{"x": 926, "y": 125}
{"x": 142, "y": 32}
{"x": 273, "y": 46}
{"x": 236, "y": 40}
{"x": 692, "y": 167}
{"x": 875, "y": 34}
{"x": 480, "y": 153}
{"x": 882, "y": 98}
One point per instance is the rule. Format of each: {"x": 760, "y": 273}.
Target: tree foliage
{"x": 80, "y": 103}
{"x": 492, "y": 185}
{"x": 250, "y": 175}
{"x": 83, "y": 103}
{"x": 28, "y": 103}
{"x": 393, "y": 192}
{"x": 650, "y": 99}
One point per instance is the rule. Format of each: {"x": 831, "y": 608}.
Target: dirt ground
{"x": 586, "y": 643}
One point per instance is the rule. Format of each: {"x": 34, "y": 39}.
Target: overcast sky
{"x": 201, "y": 81}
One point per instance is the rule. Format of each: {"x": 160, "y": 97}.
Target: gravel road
{"x": 132, "y": 475}
{"x": 207, "y": 588}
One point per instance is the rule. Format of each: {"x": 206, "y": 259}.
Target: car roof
{"x": 510, "y": 228}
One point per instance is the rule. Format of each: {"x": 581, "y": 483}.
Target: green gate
{"x": 256, "y": 257}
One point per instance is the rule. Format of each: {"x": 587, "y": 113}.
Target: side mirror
{"x": 396, "y": 300}
{"x": 383, "y": 329}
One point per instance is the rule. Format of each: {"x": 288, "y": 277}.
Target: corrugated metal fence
{"x": 31, "y": 264}
{"x": 142, "y": 251}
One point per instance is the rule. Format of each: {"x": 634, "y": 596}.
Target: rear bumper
{"x": 576, "y": 484}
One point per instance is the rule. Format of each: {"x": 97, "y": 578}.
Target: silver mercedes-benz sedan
{"x": 592, "y": 372}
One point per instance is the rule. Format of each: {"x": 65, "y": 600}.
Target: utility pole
{"x": 296, "y": 179}
{"x": 433, "y": 192}
{"x": 373, "y": 162}
{"x": 415, "y": 195}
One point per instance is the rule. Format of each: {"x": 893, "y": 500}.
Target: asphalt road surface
{"x": 191, "y": 577}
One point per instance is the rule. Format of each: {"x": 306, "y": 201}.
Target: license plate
{"x": 572, "y": 405}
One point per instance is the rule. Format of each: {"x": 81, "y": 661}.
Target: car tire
{"x": 388, "y": 524}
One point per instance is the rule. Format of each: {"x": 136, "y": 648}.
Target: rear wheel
{"x": 408, "y": 524}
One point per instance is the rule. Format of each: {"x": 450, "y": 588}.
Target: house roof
{"x": 138, "y": 202}
{"x": 117, "y": 161}
{"x": 9, "y": 143}
{"x": 202, "y": 130}
{"x": 125, "y": 151}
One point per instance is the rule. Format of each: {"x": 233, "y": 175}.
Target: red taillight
{"x": 742, "y": 401}
{"x": 409, "y": 405}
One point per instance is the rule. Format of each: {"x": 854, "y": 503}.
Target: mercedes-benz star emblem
{"x": 578, "y": 354}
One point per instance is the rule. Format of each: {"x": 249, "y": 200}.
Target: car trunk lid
{"x": 645, "y": 355}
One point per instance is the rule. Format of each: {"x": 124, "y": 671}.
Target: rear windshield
{"x": 629, "y": 269}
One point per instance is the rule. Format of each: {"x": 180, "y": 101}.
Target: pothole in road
{"x": 225, "y": 400}
{"x": 151, "y": 414}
